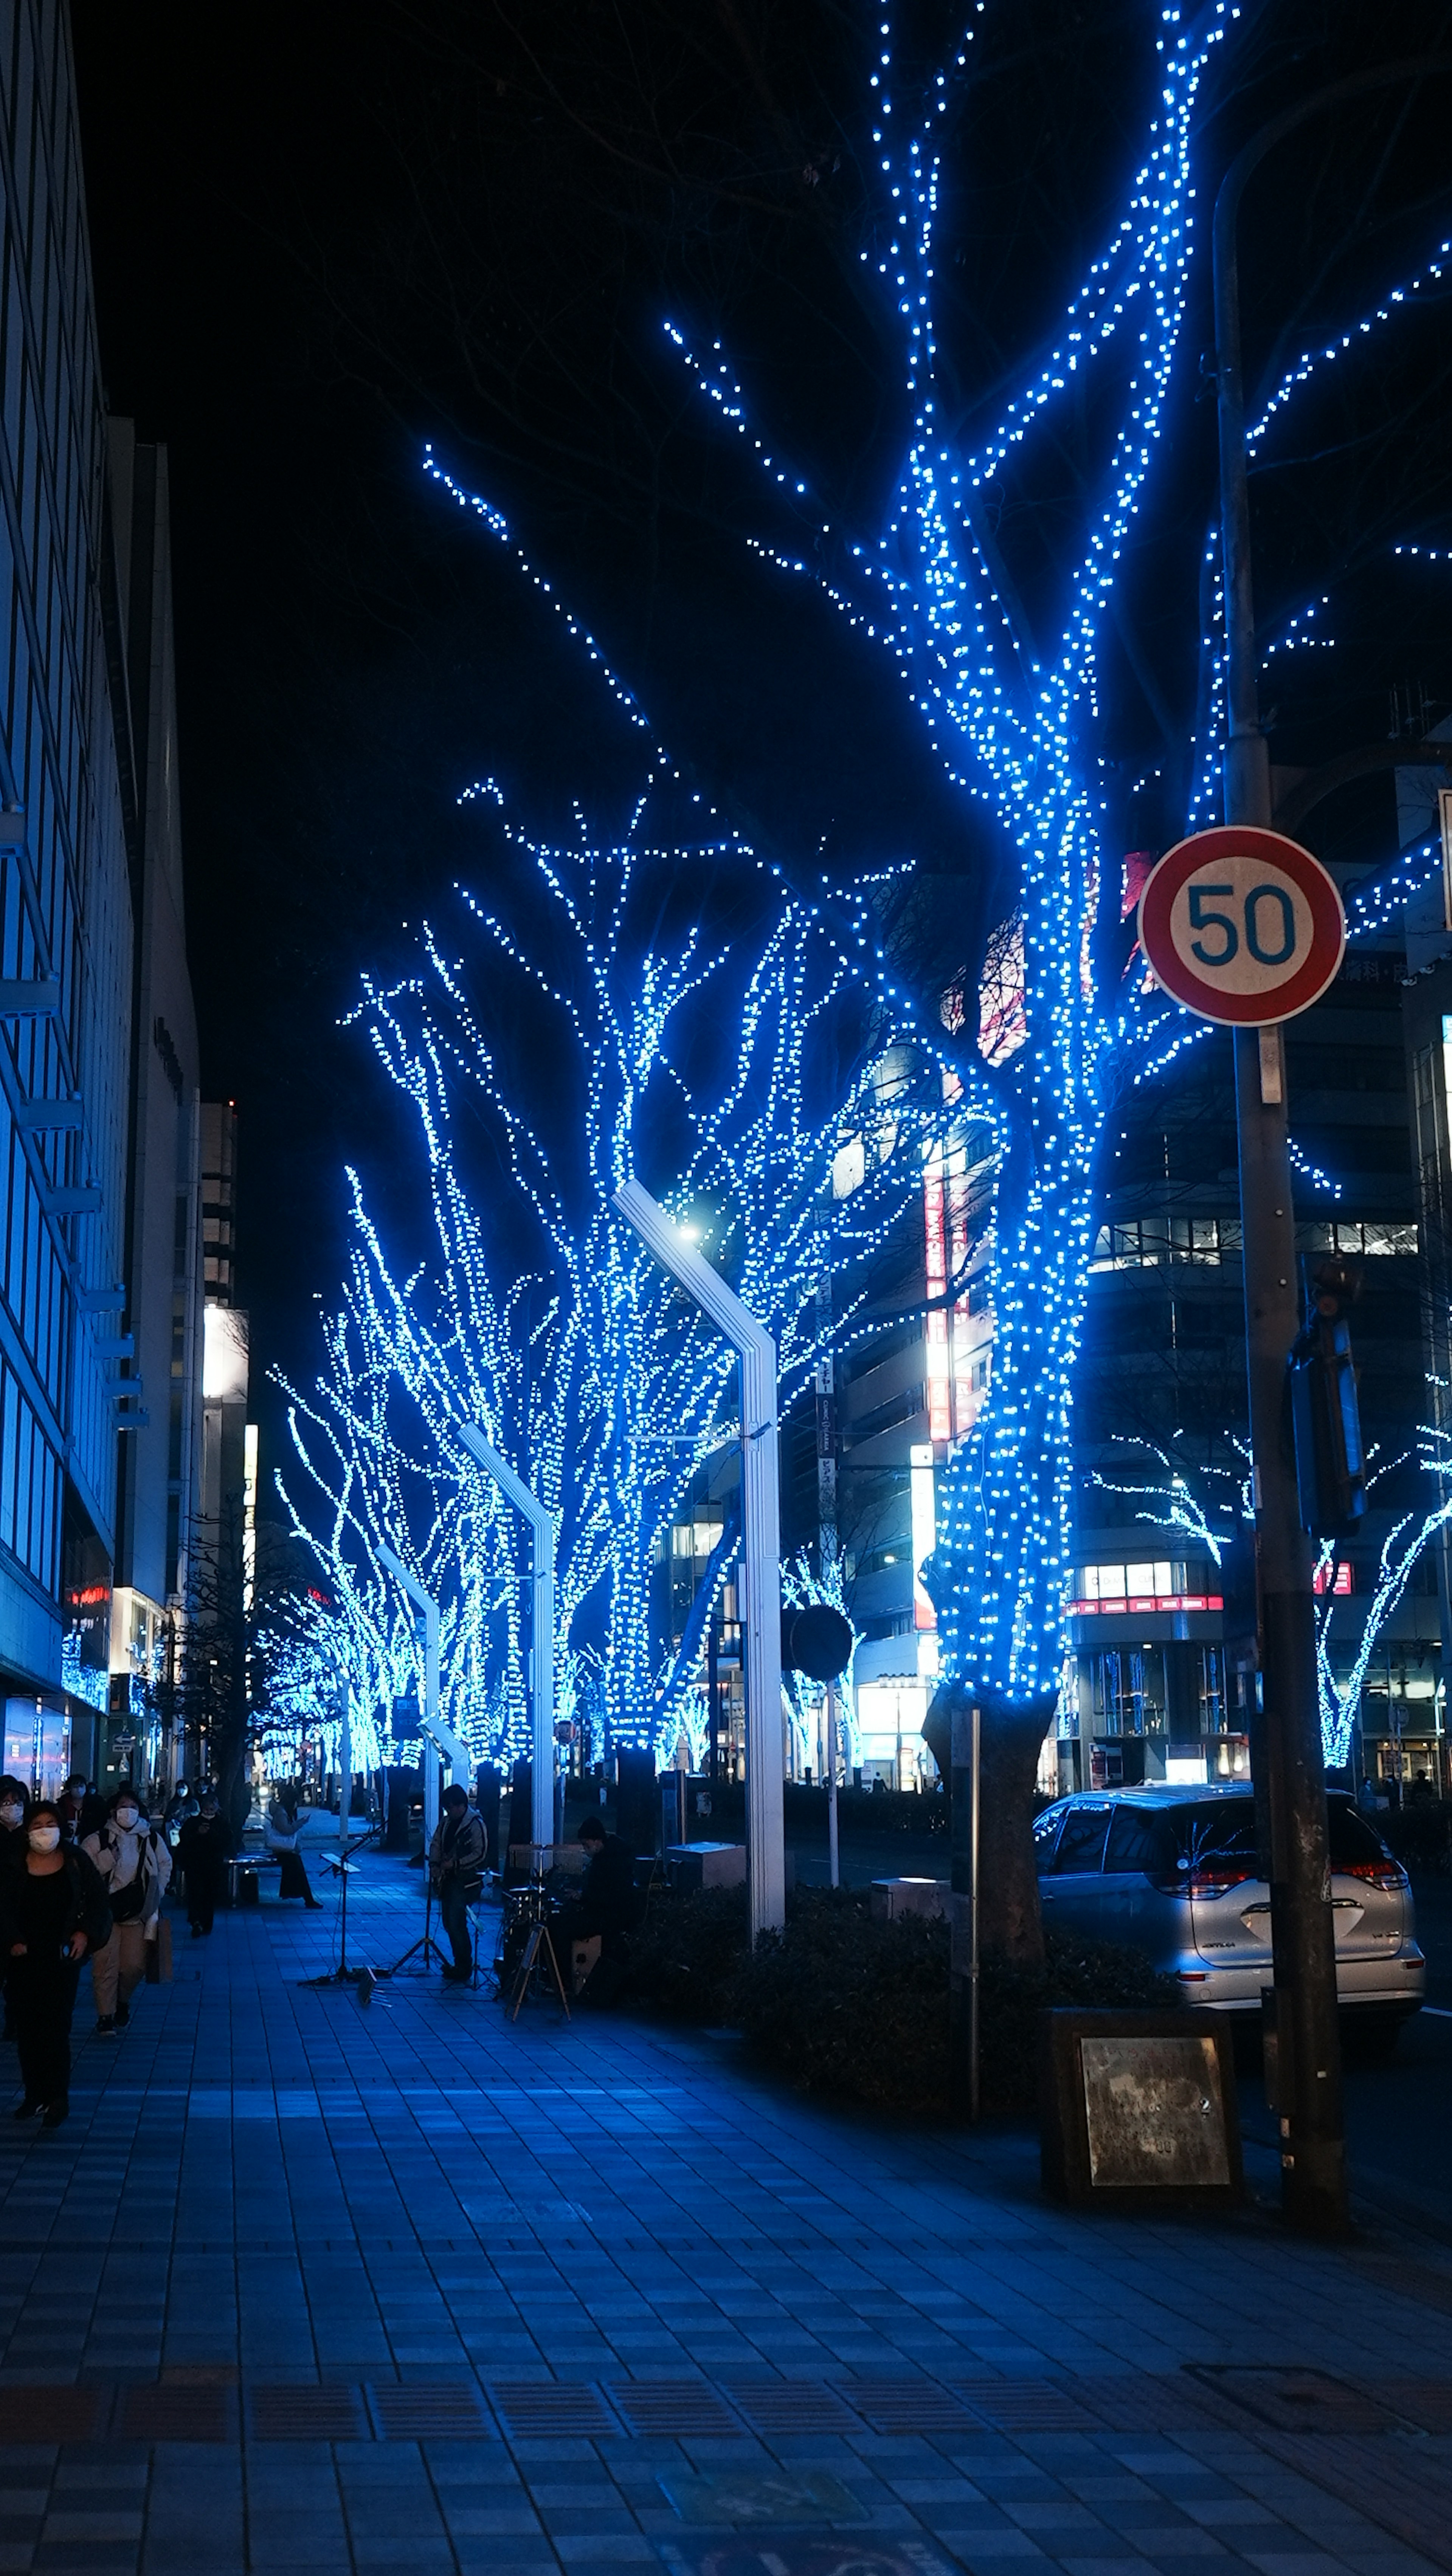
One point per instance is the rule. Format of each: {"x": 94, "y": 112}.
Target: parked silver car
{"x": 1173, "y": 1871}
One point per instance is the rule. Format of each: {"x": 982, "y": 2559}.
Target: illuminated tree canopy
{"x": 734, "y": 1072}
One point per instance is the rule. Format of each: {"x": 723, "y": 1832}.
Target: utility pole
{"x": 1286, "y": 1733}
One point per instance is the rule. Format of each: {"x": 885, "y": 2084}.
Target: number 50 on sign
{"x": 1242, "y": 925}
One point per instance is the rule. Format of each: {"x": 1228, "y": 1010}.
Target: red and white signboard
{"x": 1242, "y": 925}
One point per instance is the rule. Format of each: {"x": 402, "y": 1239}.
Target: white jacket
{"x": 120, "y": 1855}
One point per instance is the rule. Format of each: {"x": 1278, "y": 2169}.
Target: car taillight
{"x": 1374, "y": 1873}
{"x": 1209, "y": 1878}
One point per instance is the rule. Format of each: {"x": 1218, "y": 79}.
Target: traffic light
{"x": 1330, "y": 1462}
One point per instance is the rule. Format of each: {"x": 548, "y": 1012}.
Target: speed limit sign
{"x": 1242, "y": 925}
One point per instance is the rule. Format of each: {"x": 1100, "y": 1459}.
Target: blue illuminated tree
{"x": 371, "y": 1477}
{"x": 731, "y": 1075}
{"x": 1051, "y": 1029}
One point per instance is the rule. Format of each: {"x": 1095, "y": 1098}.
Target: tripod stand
{"x": 342, "y": 1866}
{"x": 431, "y": 1948}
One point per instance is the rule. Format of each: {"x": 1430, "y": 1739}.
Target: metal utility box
{"x": 691, "y": 1865}
{"x": 892, "y": 1898}
{"x": 1138, "y": 2110}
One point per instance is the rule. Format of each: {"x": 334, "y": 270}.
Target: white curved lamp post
{"x": 761, "y": 1542}
{"x": 542, "y": 1631}
{"x": 438, "y": 1738}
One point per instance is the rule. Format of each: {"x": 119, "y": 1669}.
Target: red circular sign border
{"x": 1225, "y": 840}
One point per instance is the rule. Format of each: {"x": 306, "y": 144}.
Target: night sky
{"x": 322, "y": 237}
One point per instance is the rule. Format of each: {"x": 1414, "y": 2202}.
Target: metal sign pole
{"x": 542, "y": 1640}
{"x": 832, "y": 1783}
{"x": 1308, "y": 2042}
{"x": 761, "y": 1543}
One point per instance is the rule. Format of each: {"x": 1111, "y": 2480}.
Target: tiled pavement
{"x": 306, "y": 2284}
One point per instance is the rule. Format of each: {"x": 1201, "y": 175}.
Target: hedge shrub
{"x": 859, "y": 2009}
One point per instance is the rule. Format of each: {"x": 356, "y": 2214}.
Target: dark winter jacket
{"x": 608, "y": 1896}
{"x": 86, "y": 1907}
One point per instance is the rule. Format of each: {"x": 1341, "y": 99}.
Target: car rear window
{"x": 1081, "y": 1844}
{"x": 1158, "y": 1839}
{"x": 1352, "y": 1838}
{"x": 1141, "y": 1838}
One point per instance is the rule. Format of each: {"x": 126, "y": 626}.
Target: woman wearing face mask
{"x": 14, "y": 1816}
{"x": 134, "y": 1865}
{"x": 52, "y": 1911}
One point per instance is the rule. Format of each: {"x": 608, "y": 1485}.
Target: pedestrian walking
{"x": 284, "y": 1834}
{"x": 203, "y": 1854}
{"x": 82, "y": 1810}
{"x": 134, "y": 1864}
{"x": 14, "y": 1816}
{"x": 456, "y": 1875}
{"x": 52, "y": 1911}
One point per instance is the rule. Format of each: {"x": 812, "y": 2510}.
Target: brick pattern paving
{"x": 306, "y": 2284}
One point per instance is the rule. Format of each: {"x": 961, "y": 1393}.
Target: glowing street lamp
{"x": 674, "y": 1248}
{"x": 542, "y": 1630}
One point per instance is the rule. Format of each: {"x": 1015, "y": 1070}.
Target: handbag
{"x": 158, "y": 1954}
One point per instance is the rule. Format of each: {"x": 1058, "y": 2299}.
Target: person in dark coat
{"x": 14, "y": 1817}
{"x": 456, "y": 1875}
{"x": 53, "y": 1910}
{"x": 82, "y": 1809}
{"x": 608, "y": 1903}
{"x": 203, "y": 1853}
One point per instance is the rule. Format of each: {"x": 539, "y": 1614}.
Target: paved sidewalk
{"x": 308, "y": 2284}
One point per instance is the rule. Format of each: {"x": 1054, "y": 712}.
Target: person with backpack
{"x": 456, "y": 1875}
{"x": 52, "y": 1911}
{"x": 134, "y": 1864}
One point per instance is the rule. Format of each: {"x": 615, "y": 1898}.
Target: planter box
{"x": 892, "y": 1898}
{"x": 691, "y": 1865}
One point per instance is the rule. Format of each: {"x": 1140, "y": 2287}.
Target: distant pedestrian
{"x": 181, "y": 1806}
{"x": 134, "y": 1864}
{"x": 456, "y": 1875}
{"x": 52, "y": 1911}
{"x": 14, "y": 1816}
{"x": 284, "y": 1835}
{"x": 203, "y": 1854}
{"x": 82, "y": 1810}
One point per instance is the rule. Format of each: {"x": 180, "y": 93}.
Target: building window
{"x": 1161, "y": 1583}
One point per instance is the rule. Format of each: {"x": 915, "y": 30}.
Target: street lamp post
{"x": 761, "y": 1543}
{"x": 542, "y": 1631}
{"x": 439, "y": 1739}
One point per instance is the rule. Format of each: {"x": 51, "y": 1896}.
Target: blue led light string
{"x": 1402, "y": 1549}
{"x": 1398, "y": 301}
{"x": 586, "y": 1373}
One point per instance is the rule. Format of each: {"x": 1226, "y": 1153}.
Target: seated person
{"x": 608, "y": 1904}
